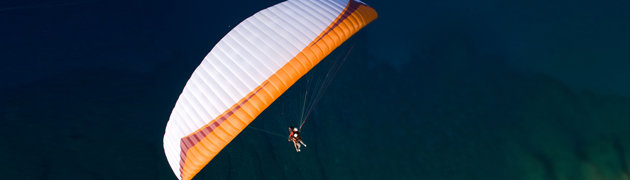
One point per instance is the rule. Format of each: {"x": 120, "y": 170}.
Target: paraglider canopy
{"x": 251, "y": 67}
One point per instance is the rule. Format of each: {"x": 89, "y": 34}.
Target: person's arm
{"x": 290, "y": 136}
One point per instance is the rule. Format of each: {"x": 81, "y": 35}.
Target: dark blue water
{"x": 431, "y": 90}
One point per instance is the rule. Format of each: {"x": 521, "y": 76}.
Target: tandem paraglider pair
{"x": 294, "y": 136}
{"x": 249, "y": 69}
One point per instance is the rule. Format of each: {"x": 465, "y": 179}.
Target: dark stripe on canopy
{"x": 192, "y": 140}
{"x": 352, "y": 6}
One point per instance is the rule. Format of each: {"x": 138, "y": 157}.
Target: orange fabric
{"x": 201, "y": 153}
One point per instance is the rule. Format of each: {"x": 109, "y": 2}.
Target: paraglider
{"x": 251, "y": 67}
{"x": 294, "y": 136}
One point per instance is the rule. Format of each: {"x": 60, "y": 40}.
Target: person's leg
{"x": 302, "y": 142}
{"x": 296, "y": 146}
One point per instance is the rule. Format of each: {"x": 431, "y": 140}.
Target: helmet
{"x": 295, "y": 129}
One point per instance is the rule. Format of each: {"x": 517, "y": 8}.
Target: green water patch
{"x": 569, "y": 134}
